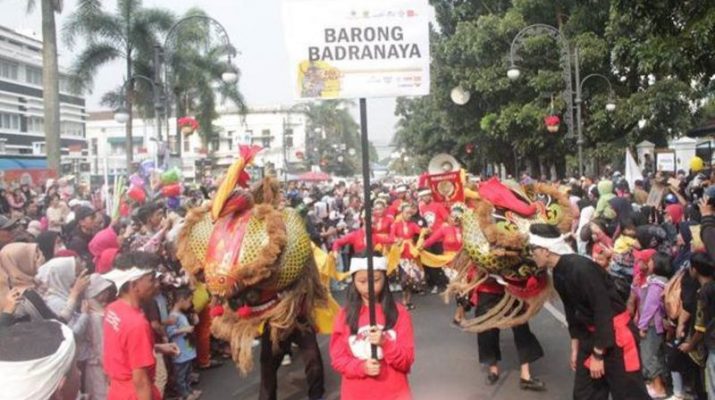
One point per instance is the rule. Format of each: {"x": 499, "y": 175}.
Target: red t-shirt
{"x": 348, "y": 353}
{"x": 128, "y": 345}
{"x": 434, "y": 213}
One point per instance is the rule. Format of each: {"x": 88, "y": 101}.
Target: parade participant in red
{"x": 357, "y": 240}
{"x": 362, "y": 376}
{"x": 128, "y": 338}
{"x": 449, "y": 234}
{"x": 381, "y": 222}
{"x": 433, "y": 212}
{"x": 394, "y": 209}
{"x": 604, "y": 351}
{"x": 403, "y": 234}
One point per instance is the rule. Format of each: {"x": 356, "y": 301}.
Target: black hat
{"x": 7, "y": 223}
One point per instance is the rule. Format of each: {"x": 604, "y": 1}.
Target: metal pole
{"x": 285, "y": 157}
{"x": 368, "y": 215}
{"x": 579, "y": 139}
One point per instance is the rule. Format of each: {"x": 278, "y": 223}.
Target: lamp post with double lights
{"x": 229, "y": 76}
{"x": 568, "y": 94}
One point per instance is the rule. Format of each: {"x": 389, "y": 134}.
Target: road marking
{"x": 558, "y": 315}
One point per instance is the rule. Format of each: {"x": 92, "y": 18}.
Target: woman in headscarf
{"x": 65, "y": 279}
{"x": 49, "y": 243}
{"x": 104, "y": 240}
{"x": 19, "y": 263}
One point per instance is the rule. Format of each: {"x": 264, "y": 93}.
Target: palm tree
{"x": 130, "y": 34}
{"x": 333, "y": 125}
{"x": 50, "y": 80}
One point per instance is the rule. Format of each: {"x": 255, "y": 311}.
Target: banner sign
{"x": 665, "y": 161}
{"x": 447, "y": 187}
{"x": 358, "y": 48}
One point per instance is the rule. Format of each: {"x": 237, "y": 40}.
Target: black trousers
{"x": 270, "y": 362}
{"x": 435, "y": 276}
{"x": 528, "y": 347}
{"x": 621, "y": 385}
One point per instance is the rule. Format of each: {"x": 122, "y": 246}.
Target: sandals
{"x": 410, "y": 306}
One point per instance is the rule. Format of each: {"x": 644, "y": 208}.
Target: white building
{"x": 22, "y": 109}
{"x": 276, "y": 129}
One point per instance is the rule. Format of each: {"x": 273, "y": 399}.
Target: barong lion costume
{"x": 495, "y": 232}
{"x": 257, "y": 259}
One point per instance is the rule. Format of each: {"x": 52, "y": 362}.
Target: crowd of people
{"x": 118, "y": 317}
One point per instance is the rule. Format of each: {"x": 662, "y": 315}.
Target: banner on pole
{"x": 358, "y": 48}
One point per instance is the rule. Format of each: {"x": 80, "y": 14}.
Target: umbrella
{"x": 314, "y": 177}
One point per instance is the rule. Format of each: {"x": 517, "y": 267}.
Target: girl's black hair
{"x": 662, "y": 265}
{"x": 354, "y": 304}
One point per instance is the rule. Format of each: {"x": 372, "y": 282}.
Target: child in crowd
{"x": 621, "y": 267}
{"x": 650, "y": 323}
{"x": 179, "y": 333}
{"x": 364, "y": 377}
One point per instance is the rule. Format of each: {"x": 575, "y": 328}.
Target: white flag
{"x": 633, "y": 171}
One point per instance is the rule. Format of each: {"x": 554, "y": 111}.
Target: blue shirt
{"x": 188, "y": 351}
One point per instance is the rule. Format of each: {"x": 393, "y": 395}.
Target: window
{"x": 215, "y": 144}
{"x": 8, "y": 69}
{"x": 187, "y": 145}
{"x": 289, "y": 137}
{"x": 35, "y": 124}
{"x": 266, "y": 132}
{"x": 33, "y": 75}
{"x": 66, "y": 86}
{"x": 95, "y": 146}
{"x": 68, "y": 128}
{"x": 10, "y": 121}
{"x": 230, "y": 144}
{"x": 266, "y": 143}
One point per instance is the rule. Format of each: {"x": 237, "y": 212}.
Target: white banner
{"x": 358, "y": 48}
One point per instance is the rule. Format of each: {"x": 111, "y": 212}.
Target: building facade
{"x": 280, "y": 132}
{"x": 22, "y": 108}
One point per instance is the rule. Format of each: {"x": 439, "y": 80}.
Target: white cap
{"x": 401, "y": 189}
{"x": 120, "y": 277}
{"x": 74, "y": 203}
{"x": 425, "y": 192}
{"x": 360, "y": 264}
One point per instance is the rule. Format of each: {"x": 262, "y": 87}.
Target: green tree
{"x": 129, "y": 33}
{"x": 50, "y": 80}
{"x": 333, "y": 131}
{"x": 504, "y": 119}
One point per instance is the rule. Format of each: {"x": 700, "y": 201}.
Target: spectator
{"x": 38, "y": 358}
{"x": 7, "y": 226}
{"x": 99, "y": 294}
{"x": 179, "y": 334}
{"x": 83, "y": 234}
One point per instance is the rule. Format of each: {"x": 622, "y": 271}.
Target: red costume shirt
{"x": 406, "y": 231}
{"x": 357, "y": 240}
{"x": 394, "y": 209}
{"x": 348, "y": 353}
{"x": 450, "y": 236}
{"x": 128, "y": 345}
{"x": 434, "y": 213}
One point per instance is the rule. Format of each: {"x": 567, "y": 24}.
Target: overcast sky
{"x": 254, "y": 27}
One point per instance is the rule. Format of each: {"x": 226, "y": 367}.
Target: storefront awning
{"x": 122, "y": 140}
{"x": 22, "y": 163}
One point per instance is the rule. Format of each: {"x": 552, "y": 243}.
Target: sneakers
{"x": 287, "y": 360}
{"x": 435, "y": 290}
{"x": 532, "y": 384}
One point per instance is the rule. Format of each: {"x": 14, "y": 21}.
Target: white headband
{"x": 360, "y": 264}
{"x": 555, "y": 245}
{"x": 40, "y": 378}
{"x": 424, "y": 193}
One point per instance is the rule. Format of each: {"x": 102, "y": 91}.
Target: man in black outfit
{"x": 604, "y": 350}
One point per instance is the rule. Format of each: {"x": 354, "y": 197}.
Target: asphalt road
{"x": 446, "y": 365}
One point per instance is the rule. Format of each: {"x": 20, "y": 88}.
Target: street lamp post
{"x": 229, "y": 76}
{"x": 610, "y": 106}
{"x": 122, "y": 116}
{"x": 514, "y": 73}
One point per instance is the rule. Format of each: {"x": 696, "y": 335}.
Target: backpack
{"x": 671, "y": 295}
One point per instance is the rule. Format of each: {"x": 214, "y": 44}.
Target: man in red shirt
{"x": 128, "y": 337}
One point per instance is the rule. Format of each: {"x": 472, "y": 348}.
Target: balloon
{"x": 137, "y": 194}
{"x": 137, "y": 181}
{"x": 171, "y": 176}
{"x": 173, "y": 203}
{"x": 171, "y": 190}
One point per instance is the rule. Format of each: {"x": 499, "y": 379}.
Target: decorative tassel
{"x": 216, "y": 311}
{"x": 244, "y": 312}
